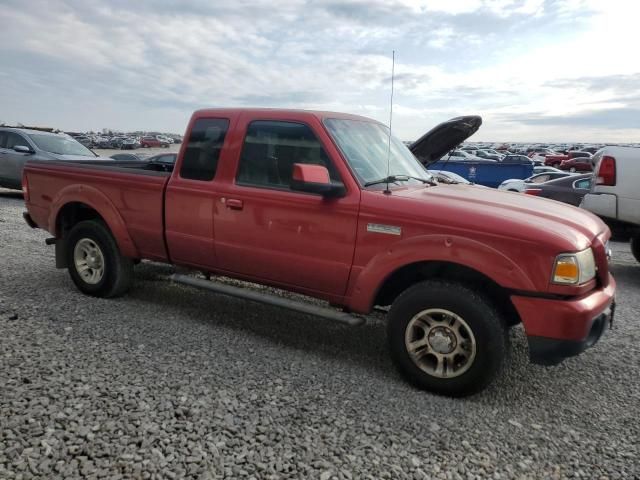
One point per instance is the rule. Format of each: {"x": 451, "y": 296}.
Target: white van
{"x": 615, "y": 191}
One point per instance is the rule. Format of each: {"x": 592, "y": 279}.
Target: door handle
{"x": 234, "y": 203}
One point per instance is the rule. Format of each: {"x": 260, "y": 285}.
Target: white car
{"x": 614, "y": 194}
{"x": 165, "y": 139}
{"x": 519, "y": 185}
{"x": 545, "y": 169}
{"x": 445, "y": 176}
{"x": 462, "y": 155}
{"x": 538, "y": 157}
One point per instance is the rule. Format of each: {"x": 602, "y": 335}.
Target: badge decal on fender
{"x": 388, "y": 229}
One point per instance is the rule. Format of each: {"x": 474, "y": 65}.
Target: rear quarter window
{"x": 203, "y": 149}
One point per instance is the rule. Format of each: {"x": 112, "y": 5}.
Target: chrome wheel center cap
{"x": 442, "y": 340}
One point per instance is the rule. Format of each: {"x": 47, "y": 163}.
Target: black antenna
{"x": 393, "y": 66}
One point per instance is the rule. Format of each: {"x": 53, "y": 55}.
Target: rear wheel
{"x": 635, "y": 246}
{"x": 96, "y": 265}
{"x": 446, "y": 338}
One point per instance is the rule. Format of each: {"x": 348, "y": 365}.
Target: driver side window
{"x": 272, "y": 147}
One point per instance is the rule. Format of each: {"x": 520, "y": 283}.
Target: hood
{"x": 508, "y": 214}
{"x": 434, "y": 144}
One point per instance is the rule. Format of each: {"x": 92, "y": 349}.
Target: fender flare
{"x": 435, "y": 248}
{"x": 97, "y": 200}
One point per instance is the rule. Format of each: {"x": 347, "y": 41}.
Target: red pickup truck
{"x": 331, "y": 206}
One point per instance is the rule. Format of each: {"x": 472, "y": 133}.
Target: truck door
{"x": 191, "y": 196}
{"x": 268, "y": 232}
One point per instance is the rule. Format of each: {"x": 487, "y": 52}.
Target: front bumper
{"x": 557, "y": 329}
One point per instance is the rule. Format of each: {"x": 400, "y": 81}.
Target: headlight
{"x": 574, "y": 268}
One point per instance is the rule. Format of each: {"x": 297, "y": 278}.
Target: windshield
{"x": 365, "y": 146}
{"x": 60, "y": 145}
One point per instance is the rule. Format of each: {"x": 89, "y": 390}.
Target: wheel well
{"x": 73, "y": 213}
{"x": 413, "y": 273}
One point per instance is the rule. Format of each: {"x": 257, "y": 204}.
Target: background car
{"x": 130, "y": 143}
{"x": 116, "y": 142}
{"x": 17, "y": 145}
{"x": 128, "y": 157}
{"x": 464, "y": 156}
{"x": 570, "y": 189}
{"x": 516, "y": 158}
{"x": 487, "y": 155}
{"x": 86, "y": 141}
{"x": 102, "y": 142}
{"x": 579, "y": 164}
{"x": 544, "y": 168}
{"x": 149, "y": 141}
{"x": 448, "y": 177}
{"x": 578, "y": 153}
{"x": 163, "y": 161}
{"x": 543, "y": 150}
{"x": 518, "y": 185}
{"x": 592, "y": 149}
{"x": 492, "y": 151}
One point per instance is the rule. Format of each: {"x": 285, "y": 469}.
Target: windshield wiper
{"x": 399, "y": 178}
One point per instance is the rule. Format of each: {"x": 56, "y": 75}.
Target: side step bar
{"x": 302, "y": 307}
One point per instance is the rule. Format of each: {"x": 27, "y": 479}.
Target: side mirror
{"x": 22, "y": 149}
{"x": 315, "y": 179}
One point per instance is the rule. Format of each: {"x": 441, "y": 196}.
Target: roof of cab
{"x": 292, "y": 114}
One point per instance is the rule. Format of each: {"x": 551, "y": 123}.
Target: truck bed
{"x": 123, "y": 191}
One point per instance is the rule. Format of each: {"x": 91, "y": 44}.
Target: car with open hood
{"x": 430, "y": 151}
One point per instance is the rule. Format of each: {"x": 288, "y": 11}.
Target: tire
{"x": 117, "y": 271}
{"x": 447, "y": 302}
{"x": 635, "y": 246}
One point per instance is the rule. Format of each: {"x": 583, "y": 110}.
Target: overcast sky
{"x": 535, "y": 70}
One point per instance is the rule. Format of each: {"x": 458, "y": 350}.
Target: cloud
{"x": 147, "y": 64}
{"x": 608, "y": 118}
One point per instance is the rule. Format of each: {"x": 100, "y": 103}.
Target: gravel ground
{"x": 172, "y": 382}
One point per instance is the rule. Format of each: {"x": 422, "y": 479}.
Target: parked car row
{"x": 125, "y": 141}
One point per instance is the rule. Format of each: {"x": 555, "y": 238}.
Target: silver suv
{"x": 17, "y": 145}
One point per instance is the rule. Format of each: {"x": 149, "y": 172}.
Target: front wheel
{"x": 635, "y": 246}
{"x": 446, "y": 338}
{"x": 96, "y": 265}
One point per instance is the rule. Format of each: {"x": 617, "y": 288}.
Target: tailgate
{"x": 129, "y": 200}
